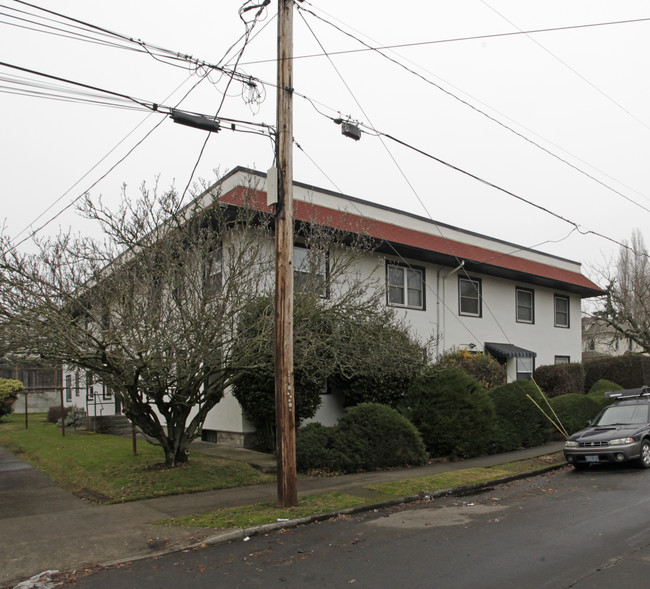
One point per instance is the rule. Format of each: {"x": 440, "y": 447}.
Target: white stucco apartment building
{"x": 459, "y": 288}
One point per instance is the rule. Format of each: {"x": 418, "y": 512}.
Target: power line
{"x": 368, "y": 48}
{"x": 490, "y": 117}
{"x": 100, "y": 35}
{"x": 577, "y": 73}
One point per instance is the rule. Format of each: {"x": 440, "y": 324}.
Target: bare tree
{"x": 627, "y": 306}
{"x": 152, "y": 307}
{"x": 149, "y": 309}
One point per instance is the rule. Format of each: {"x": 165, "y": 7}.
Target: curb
{"x": 244, "y": 533}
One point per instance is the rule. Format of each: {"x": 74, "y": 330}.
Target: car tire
{"x": 644, "y": 458}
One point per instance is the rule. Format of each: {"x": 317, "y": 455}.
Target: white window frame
{"x": 399, "y": 289}
{"x": 556, "y": 299}
{"x": 477, "y": 288}
{"x": 519, "y": 306}
{"x": 525, "y": 366}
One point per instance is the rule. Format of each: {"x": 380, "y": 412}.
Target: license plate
{"x": 591, "y": 458}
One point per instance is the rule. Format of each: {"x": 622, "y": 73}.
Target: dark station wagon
{"x": 620, "y": 433}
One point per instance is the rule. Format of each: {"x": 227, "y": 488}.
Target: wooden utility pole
{"x": 284, "y": 392}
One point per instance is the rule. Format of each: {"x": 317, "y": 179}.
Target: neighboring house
{"x": 456, "y": 288}
{"x": 42, "y": 384}
{"x": 600, "y": 339}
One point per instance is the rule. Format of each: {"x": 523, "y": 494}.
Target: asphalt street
{"x": 587, "y": 530}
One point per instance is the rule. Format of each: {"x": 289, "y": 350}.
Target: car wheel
{"x": 644, "y": 458}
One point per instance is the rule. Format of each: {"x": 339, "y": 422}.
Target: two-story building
{"x": 454, "y": 287}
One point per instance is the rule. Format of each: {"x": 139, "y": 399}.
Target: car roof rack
{"x": 628, "y": 393}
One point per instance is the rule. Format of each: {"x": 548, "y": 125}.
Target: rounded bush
{"x": 481, "y": 366}
{"x": 519, "y": 422}
{"x": 373, "y": 436}
{"x": 598, "y": 390}
{"x": 575, "y": 411}
{"x": 452, "y": 411}
{"x": 314, "y": 449}
{"x": 9, "y": 390}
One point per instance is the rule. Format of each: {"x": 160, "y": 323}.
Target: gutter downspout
{"x": 441, "y": 300}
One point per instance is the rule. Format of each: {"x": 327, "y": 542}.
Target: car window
{"x": 624, "y": 414}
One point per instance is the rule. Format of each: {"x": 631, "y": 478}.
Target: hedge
{"x": 574, "y": 411}
{"x": 369, "y": 436}
{"x": 452, "y": 411}
{"x": 560, "y": 379}
{"x": 519, "y": 422}
{"x": 630, "y": 371}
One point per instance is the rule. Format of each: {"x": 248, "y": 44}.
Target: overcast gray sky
{"x": 464, "y": 90}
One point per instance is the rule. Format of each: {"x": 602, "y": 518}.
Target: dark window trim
{"x": 479, "y": 293}
{"x": 559, "y": 356}
{"x": 301, "y": 244}
{"x": 556, "y": 298}
{"x": 529, "y": 375}
{"x": 519, "y": 289}
{"x": 406, "y": 266}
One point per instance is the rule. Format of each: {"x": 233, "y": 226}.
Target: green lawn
{"x": 102, "y": 468}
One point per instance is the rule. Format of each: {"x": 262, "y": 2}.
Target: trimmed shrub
{"x": 575, "y": 411}
{"x": 314, "y": 449}
{"x": 369, "y": 436}
{"x": 374, "y": 436}
{"x": 598, "y": 390}
{"x": 452, "y": 411}
{"x": 519, "y": 422}
{"x": 9, "y": 390}
{"x": 55, "y": 413}
{"x": 630, "y": 370}
{"x": 560, "y": 379}
{"x": 482, "y": 367}
{"x": 75, "y": 417}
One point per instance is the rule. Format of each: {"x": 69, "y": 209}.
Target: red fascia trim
{"x": 320, "y": 215}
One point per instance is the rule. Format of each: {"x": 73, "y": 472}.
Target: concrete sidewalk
{"x": 45, "y": 527}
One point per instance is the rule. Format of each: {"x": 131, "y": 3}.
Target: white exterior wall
{"x": 440, "y": 320}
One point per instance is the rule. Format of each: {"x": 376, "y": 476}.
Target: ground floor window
{"x": 525, "y": 368}
{"x": 562, "y": 359}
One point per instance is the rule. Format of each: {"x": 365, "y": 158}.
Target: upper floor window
{"x": 561, "y": 311}
{"x": 525, "y": 302}
{"x": 310, "y": 269}
{"x": 469, "y": 296}
{"x": 405, "y": 286}
{"x": 213, "y": 271}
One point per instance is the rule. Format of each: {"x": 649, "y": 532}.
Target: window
{"x": 310, "y": 270}
{"x": 525, "y": 301}
{"x": 561, "y": 311}
{"x": 525, "y": 368}
{"x": 469, "y": 296}
{"x": 562, "y": 360}
{"x": 68, "y": 387}
{"x": 212, "y": 272}
{"x": 405, "y": 286}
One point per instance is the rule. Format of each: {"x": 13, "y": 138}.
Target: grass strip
{"x": 102, "y": 468}
{"x": 467, "y": 476}
{"x": 265, "y": 513}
